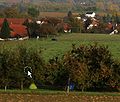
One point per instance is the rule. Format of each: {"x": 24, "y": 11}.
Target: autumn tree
{"x": 7, "y": 58}
{"x": 55, "y": 71}
{"x": 46, "y": 29}
{"x": 11, "y": 12}
{"x": 32, "y": 28}
{"x": 2, "y": 15}
{"x": 33, "y": 12}
{"x": 100, "y": 5}
{"x": 90, "y": 67}
{"x": 77, "y": 25}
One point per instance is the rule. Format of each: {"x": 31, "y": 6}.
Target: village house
{"x": 17, "y": 27}
{"x": 90, "y": 14}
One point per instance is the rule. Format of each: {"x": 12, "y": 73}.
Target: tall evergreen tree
{"x": 69, "y": 14}
{"x": 5, "y": 30}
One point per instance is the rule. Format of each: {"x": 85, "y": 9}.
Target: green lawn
{"x": 64, "y": 43}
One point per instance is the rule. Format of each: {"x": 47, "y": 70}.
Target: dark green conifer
{"x": 5, "y": 30}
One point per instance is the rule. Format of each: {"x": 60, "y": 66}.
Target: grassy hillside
{"x": 64, "y": 43}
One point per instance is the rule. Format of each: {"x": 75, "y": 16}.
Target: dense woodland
{"x": 65, "y": 5}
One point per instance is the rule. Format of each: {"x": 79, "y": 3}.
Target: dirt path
{"x": 56, "y": 98}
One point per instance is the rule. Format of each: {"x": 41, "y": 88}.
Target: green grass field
{"x": 56, "y": 92}
{"x": 64, "y": 43}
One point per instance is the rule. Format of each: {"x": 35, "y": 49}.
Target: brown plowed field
{"x": 54, "y": 14}
{"x": 56, "y": 98}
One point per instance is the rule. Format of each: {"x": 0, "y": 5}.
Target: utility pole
{"x": 68, "y": 86}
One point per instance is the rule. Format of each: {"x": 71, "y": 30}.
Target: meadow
{"x": 63, "y": 43}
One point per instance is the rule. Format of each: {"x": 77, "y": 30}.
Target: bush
{"x": 56, "y": 75}
{"x": 13, "y": 62}
{"x": 91, "y": 67}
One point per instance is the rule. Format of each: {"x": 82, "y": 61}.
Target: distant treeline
{"x": 65, "y": 5}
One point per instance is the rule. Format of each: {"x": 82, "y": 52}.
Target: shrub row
{"x": 88, "y": 67}
{"x": 12, "y": 64}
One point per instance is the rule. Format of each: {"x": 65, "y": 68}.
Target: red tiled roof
{"x": 66, "y": 26}
{"x": 20, "y": 30}
{"x": 109, "y": 25}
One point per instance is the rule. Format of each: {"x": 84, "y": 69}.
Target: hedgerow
{"x": 87, "y": 67}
